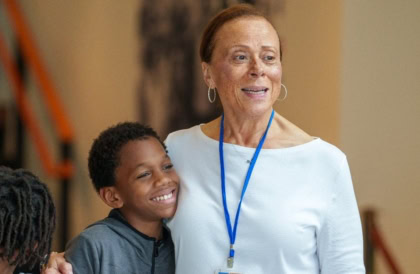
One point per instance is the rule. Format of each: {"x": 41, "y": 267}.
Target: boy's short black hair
{"x": 27, "y": 218}
{"x": 104, "y": 154}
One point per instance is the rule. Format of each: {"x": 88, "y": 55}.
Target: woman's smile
{"x": 255, "y": 92}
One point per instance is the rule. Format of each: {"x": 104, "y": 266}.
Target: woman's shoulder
{"x": 182, "y": 133}
{"x": 285, "y": 134}
{"x": 206, "y": 130}
{"x": 183, "y": 139}
{"x": 329, "y": 150}
{"x": 289, "y": 136}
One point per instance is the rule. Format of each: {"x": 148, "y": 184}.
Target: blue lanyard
{"x": 232, "y": 233}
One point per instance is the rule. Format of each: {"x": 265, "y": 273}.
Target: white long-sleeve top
{"x": 299, "y": 213}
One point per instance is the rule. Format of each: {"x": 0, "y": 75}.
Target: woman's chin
{"x": 257, "y": 110}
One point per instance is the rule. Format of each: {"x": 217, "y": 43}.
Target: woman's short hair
{"x": 27, "y": 218}
{"x": 234, "y": 12}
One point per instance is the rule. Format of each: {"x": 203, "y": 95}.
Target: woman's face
{"x": 245, "y": 66}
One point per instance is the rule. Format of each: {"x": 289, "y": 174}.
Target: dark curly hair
{"x": 104, "y": 154}
{"x": 27, "y": 218}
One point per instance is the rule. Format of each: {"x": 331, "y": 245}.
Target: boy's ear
{"x": 111, "y": 197}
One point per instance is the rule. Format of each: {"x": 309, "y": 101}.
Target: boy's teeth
{"x": 163, "y": 197}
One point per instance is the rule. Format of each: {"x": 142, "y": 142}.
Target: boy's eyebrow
{"x": 139, "y": 165}
{"x": 142, "y": 164}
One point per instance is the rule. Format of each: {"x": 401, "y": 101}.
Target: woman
{"x": 298, "y": 212}
{"x": 259, "y": 195}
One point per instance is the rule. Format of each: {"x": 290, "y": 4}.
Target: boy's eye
{"x": 143, "y": 175}
{"x": 168, "y": 166}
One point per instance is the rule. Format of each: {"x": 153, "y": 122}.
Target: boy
{"x": 133, "y": 174}
{"x": 27, "y": 220}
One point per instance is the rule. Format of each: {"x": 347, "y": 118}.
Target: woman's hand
{"x": 57, "y": 265}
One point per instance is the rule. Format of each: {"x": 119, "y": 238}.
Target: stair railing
{"x": 374, "y": 242}
{"x": 63, "y": 169}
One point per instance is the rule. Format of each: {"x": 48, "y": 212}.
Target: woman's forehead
{"x": 244, "y": 31}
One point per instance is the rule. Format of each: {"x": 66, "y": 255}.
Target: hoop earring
{"x": 285, "y": 94}
{"x": 212, "y": 99}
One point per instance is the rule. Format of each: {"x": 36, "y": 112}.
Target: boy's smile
{"x": 146, "y": 183}
{"x": 166, "y": 197}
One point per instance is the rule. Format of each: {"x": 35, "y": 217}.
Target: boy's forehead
{"x": 144, "y": 140}
{"x": 142, "y": 148}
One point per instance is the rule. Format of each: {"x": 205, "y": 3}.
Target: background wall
{"x": 310, "y": 32}
{"x": 380, "y": 116}
{"x": 351, "y": 68}
{"x": 91, "y": 51}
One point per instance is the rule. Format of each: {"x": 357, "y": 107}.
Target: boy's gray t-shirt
{"x": 113, "y": 246}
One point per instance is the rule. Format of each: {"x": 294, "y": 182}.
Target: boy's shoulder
{"x": 99, "y": 231}
{"x": 112, "y": 246}
{"x": 97, "y": 235}
{"x": 107, "y": 231}
{"x": 112, "y": 233}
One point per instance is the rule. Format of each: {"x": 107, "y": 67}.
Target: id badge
{"x": 227, "y": 271}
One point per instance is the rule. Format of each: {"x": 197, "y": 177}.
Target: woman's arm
{"x": 57, "y": 265}
{"x": 340, "y": 240}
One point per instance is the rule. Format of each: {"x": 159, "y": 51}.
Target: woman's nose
{"x": 257, "y": 68}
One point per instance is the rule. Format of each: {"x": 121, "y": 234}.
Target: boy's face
{"x": 146, "y": 181}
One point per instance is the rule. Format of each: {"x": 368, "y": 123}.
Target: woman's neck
{"x": 245, "y": 131}
{"x": 248, "y": 132}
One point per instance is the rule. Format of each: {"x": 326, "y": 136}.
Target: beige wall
{"x": 380, "y": 117}
{"x": 310, "y": 32}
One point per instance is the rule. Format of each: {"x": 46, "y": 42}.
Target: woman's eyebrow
{"x": 239, "y": 46}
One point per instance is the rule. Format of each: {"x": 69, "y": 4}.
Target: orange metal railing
{"x": 47, "y": 88}
{"x": 62, "y": 168}
{"x": 51, "y": 167}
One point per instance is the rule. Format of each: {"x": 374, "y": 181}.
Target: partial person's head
{"x": 241, "y": 57}
{"x": 131, "y": 170}
{"x": 27, "y": 218}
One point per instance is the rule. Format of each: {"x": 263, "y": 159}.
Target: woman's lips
{"x": 257, "y": 91}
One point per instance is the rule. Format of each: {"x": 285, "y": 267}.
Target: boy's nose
{"x": 162, "y": 179}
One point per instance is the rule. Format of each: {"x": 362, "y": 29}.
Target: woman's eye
{"x": 269, "y": 58}
{"x": 240, "y": 57}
